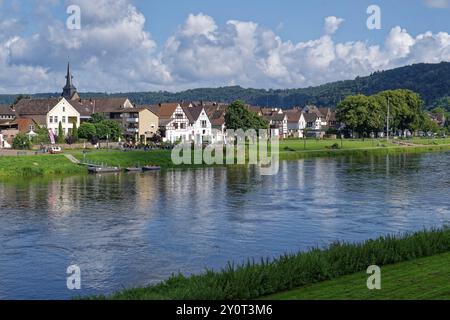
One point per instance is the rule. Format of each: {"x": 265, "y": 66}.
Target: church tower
{"x": 69, "y": 90}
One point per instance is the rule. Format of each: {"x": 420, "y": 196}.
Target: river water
{"x": 135, "y": 229}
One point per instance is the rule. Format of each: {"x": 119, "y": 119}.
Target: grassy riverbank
{"x": 255, "y": 280}
{"x": 35, "y": 166}
{"x": 291, "y": 149}
{"x": 419, "y": 279}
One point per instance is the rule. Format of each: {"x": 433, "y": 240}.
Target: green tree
{"x": 75, "y": 133}
{"x": 21, "y": 142}
{"x": 60, "y": 133}
{"x": 443, "y": 103}
{"x": 406, "y": 108}
{"x": 360, "y": 114}
{"x": 115, "y": 131}
{"x": 368, "y": 114}
{"x": 42, "y": 135}
{"x": 87, "y": 131}
{"x": 239, "y": 117}
{"x": 103, "y": 130}
{"x": 97, "y": 118}
{"x": 428, "y": 125}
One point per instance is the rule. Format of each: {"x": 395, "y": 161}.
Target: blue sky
{"x": 300, "y": 20}
{"x": 137, "y": 45}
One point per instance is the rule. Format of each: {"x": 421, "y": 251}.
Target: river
{"x": 136, "y": 229}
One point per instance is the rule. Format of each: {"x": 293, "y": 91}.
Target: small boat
{"x": 133, "y": 169}
{"x": 103, "y": 169}
{"x": 151, "y": 168}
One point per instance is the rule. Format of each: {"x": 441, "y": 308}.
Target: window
{"x": 51, "y": 119}
{"x": 182, "y": 125}
{"x": 175, "y": 125}
{"x": 31, "y": 127}
{"x": 179, "y": 115}
{"x": 56, "y": 119}
{"x": 203, "y": 123}
{"x": 63, "y": 119}
{"x": 64, "y": 109}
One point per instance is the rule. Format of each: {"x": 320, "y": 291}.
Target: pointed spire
{"x": 69, "y": 89}
{"x": 69, "y": 76}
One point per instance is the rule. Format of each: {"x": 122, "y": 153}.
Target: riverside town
{"x": 259, "y": 152}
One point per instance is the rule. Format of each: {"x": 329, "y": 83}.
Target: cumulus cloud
{"x": 114, "y": 52}
{"x": 332, "y": 24}
{"x": 248, "y": 54}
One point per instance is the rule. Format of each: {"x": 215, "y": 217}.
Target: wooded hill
{"x": 431, "y": 81}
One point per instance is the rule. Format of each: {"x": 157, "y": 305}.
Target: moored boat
{"x": 103, "y": 169}
{"x": 151, "y": 168}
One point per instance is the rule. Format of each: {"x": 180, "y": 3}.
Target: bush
{"x": 335, "y": 146}
{"x": 87, "y": 131}
{"x": 21, "y": 142}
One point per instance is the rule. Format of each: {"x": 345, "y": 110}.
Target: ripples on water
{"x": 132, "y": 230}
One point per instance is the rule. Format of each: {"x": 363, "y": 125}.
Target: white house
{"x": 173, "y": 122}
{"x": 278, "y": 124}
{"x": 48, "y": 113}
{"x": 199, "y": 124}
{"x": 313, "y": 121}
{"x": 184, "y": 122}
{"x": 66, "y": 114}
{"x": 296, "y": 123}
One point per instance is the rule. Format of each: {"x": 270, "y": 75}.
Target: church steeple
{"x": 69, "y": 90}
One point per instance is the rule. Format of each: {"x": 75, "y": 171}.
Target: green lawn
{"x": 40, "y": 165}
{"x": 313, "y": 144}
{"x": 431, "y": 141}
{"x": 425, "y": 278}
{"x": 126, "y": 159}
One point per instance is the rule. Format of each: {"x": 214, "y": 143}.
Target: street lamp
{"x": 387, "y": 119}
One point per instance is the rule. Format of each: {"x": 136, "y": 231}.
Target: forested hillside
{"x": 431, "y": 81}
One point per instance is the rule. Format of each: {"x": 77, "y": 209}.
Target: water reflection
{"x": 136, "y": 229}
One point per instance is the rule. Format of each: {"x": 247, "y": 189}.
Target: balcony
{"x": 133, "y": 120}
{"x": 132, "y": 130}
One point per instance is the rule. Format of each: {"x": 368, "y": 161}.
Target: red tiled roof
{"x": 35, "y": 106}
{"x": 6, "y": 110}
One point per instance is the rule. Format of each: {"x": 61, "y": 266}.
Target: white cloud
{"x": 438, "y": 3}
{"x": 114, "y": 52}
{"x": 332, "y": 24}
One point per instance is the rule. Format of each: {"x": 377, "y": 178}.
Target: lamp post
{"x": 387, "y": 120}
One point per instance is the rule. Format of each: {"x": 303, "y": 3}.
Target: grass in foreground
{"x": 255, "y": 280}
{"x": 425, "y": 278}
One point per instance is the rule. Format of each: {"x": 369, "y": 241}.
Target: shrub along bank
{"x": 258, "y": 279}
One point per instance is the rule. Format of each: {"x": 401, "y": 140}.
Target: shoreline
{"x": 291, "y": 273}
{"x": 59, "y": 165}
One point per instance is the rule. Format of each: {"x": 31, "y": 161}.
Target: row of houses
{"x": 184, "y": 121}
{"x": 297, "y": 122}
